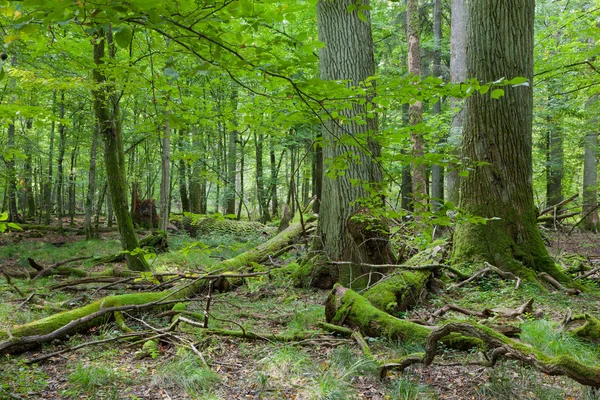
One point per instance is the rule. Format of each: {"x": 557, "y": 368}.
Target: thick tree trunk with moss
{"x": 498, "y": 132}
{"x": 106, "y": 108}
{"x": 349, "y": 150}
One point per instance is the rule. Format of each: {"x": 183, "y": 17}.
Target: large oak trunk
{"x": 498, "y": 133}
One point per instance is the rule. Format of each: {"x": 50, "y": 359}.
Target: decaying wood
{"x": 490, "y": 268}
{"x": 557, "y": 285}
{"x": 558, "y": 217}
{"x": 46, "y": 271}
{"x": 559, "y": 205}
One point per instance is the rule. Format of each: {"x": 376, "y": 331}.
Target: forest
{"x": 317, "y": 199}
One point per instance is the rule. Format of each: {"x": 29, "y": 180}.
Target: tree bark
{"x": 261, "y": 194}
{"x": 106, "y": 108}
{"x": 61, "y": 156}
{"x": 590, "y": 173}
{"x": 419, "y": 169}
{"x": 90, "y": 232}
{"x": 499, "y": 132}
{"x": 49, "y": 177}
{"x": 437, "y": 170}
{"x": 348, "y": 55}
{"x": 458, "y": 73}
{"x": 183, "y": 168}
{"x": 165, "y": 178}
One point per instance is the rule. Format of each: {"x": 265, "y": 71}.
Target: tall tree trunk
{"x": 61, "y": 156}
{"x": 554, "y": 161}
{"x": 49, "y": 177}
{"x": 106, "y": 108}
{"x": 317, "y": 172}
{"x": 348, "y": 55}
{"x": 499, "y": 132}
{"x": 99, "y": 205}
{"x": 90, "y": 232}
{"x": 165, "y": 178}
{"x": 406, "y": 184}
{"x": 261, "y": 194}
{"x": 590, "y": 172}
{"x": 11, "y": 174}
{"x": 419, "y": 169}
{"x": 273, "y": 181}
{"x": 458, "y": 73}
{"x": 28, "y": 187}
{"x": 72, "y": 179}
{"x": 437, "y": 171}
{"x": 232, "y": 136}
{"x": 183, "y": 168}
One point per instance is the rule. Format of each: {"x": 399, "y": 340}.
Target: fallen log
{"x": 56, "y": 326}
{"x": 346, "y": 307}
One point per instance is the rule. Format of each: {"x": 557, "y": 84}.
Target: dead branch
{"x": 47, "y": 271}
{"x": 557, "y": 285}
{"x": 559, "y": 205}
{"x": 486, "y": 313}
{"x": 559, "y": 217}
{"x": 490, "y": 268}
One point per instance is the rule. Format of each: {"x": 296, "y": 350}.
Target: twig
{"x": 558, "y": 205}
{"x": 490, "y": 268}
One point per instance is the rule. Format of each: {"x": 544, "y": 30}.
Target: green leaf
{"x": 484, "y": 89}
{"x": 14, "y": 226}
{"x": 463, "y": 173}
{"x": 362, "y": 16}
{"x": 497, "y": 93}
{"x": 123, "y": 37}
{"x": 519, "y": 80}
{"x": 351, "y": 8}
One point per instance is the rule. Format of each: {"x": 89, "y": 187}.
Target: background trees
{"x": 243, "y": 104}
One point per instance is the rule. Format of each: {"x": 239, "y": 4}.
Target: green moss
{"x": 589, "y": 330}
{"x": 399, "y": 291}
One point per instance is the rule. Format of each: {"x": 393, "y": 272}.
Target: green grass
{"x": 98, "y": 380}
{"x": 406, "y": 389}
{"x": 20, "y": 379}
{"x": 545, "y": 336}
{"x": 186, "y": 373}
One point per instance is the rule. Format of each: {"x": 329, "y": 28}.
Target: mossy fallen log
{"x": 590, "y": 330}
{"x": 197, "y": 225}
{"x": 56, "y": 326}
{"x": 346, "y": 307}
{"x": 405, "y": 288}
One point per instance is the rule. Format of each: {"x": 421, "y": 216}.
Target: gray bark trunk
{"x": 348, "y": 55}
{"x": 437, "y": 171}
{"x": 458, "y": 73}
{"x": 90, "y": 232}
{"x": 499, "y": 132}
{"x": 165, "y": 177}
{"x": 419, "y": 170}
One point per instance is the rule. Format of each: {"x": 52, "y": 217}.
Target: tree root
{"x": 490, "y": 268}
{"x": 511, "y": 349}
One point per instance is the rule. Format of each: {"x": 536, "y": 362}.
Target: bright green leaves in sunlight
{"x": 5, "y": 225}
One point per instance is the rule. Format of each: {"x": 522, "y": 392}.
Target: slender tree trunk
{"x": 99, "y": 206}
{"x": 90, "y": 232}
{"x": 437, "y": 171}
{"x": 106, "y": 107}
{"x": 554, "y": 162}
{"x": 183, "y": 167}
{"x": 590, "y": 172}
{"x": 231, "y": 161}
{"x": 11, "y": 173}
{"x": 419, "y": 169}
{"x": 72, "y": 186}
{"x": 458, "y": 73}
{"x": 263, "y": 199}
{"x": 499, "y": 133}
{"x": 165, "y": 180}
{"x": 317, "y": 172}
{"x": 273, "y": 181}
{"x": 49, "y": 177}
{"x": 348, "y": 55}
{"x": 61, "y": 156}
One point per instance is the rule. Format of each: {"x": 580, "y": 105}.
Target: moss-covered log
{"x": 59, "y": 325}
{"x": 197, "y": 225}
{"x": 590, "y": 330}
{"x": 405, "y": 288}
{"x": 345, "y": 306}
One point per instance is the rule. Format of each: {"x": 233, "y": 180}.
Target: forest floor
{"x": 322, "y": 367}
